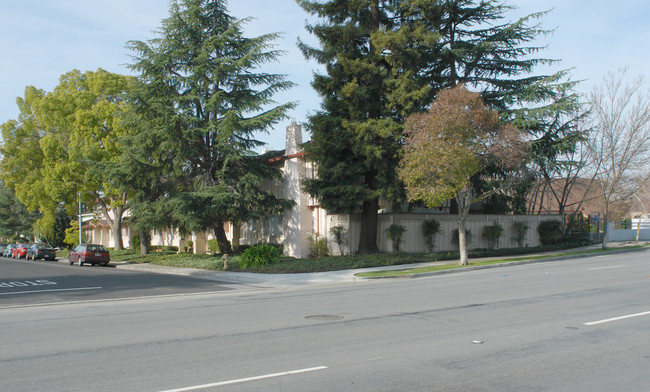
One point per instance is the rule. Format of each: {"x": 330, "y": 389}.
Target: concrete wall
{"x": 618, "y": 235}
{"x": 413, "y": 239}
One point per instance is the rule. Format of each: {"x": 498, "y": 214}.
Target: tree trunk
{"x": 222, "y": 240}
{"x": 464, "y": 199}
{"x": 368, "y": 234}
{"x": 144, "y": 242}
{"x": 115, "y": 223}
{"x": 605, "y": 231}
{"x": 462, "y": 241}
{"x": 116, "y": 228}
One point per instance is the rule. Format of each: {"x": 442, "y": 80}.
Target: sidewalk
{"x": 347, "y": 276}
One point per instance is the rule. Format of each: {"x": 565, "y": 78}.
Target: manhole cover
{"x": 324, "y": 317}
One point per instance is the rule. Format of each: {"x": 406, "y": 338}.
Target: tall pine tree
{"x": 478, "y": 48}
{"x": 372, "y": 83}
{"x": 386, "y": 59}
{"x": 204, "y": 100}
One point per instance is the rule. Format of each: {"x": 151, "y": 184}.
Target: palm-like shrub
{"x": 259, "y": 255}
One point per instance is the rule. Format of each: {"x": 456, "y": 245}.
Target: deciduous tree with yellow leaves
{"x": 449, "y": 145}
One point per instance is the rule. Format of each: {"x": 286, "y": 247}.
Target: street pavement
{"x": 346, "y": 276}
{"x": 575, "y": 325}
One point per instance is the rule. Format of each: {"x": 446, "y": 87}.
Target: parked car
{"x": 89, "y": 254}
{"x": 7, "y": 250}
{"x": 20, "y": 251}
{"x": 41, "y": 251}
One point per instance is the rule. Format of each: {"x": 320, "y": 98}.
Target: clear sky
{"x": 43, "y": 39}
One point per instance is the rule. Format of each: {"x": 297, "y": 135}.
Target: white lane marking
{"x": 601, "y": 268}
{"x": 241, "y": 380}
{"x": 45, "y": 291}
{"x": 617, "y": 318}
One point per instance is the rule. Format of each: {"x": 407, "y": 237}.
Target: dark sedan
{"x": 41, "y": 251}
{"x": 90, "y": 254}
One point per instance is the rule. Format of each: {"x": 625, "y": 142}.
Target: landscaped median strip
{"x": 445, "y": 268}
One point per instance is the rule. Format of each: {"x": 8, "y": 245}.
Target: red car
{"x": 20, "y": 251}
{"x": 89, "y": 254}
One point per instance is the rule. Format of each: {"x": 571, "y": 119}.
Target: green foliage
{"x": 171, "y": 258}
{"x": 259, "y": 256}
{"x": 64, "y": 143}
{"x": 339, "y": 233}
{"x": 395, "y": 233}
{"x": 430, "y": 228}
{"x": 512, "y": 199}
{"x": 213, "y": 246}
{"x": 366, "y": 95}
{"x": 450, "y": 144}
{"x": 203, "y": 98}
{"x": 14, "y": 217}
{"x": 520, "y": 228}
{"x": 61, "y": 223}
{"x": 578, "y": 226}
{"x": 386, "y": 60}
{"x": 72, "y": 234}
{"x": 317, "y": 246}
{"x": 189, "y": 246}
{"x": 550, "y": 232}
{"x": 135, "y": 242}
{"x": 291, "y": 265}
{"x": 492, "y": 234}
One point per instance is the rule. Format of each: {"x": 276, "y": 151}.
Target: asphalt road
{"x": 26, "y": 282}
{"x": 573, "y": 325}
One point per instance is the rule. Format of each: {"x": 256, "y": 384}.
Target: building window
{"x": 252, "y": 227}
{"x": 275, "y": 225}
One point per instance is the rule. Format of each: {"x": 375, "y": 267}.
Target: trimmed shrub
{"x": 135, "y": 242}
{"x": 339, "y": 233}
{"x": 317, "y": 246}
{"x": 430, "y": 228}
{"x": 492, "y": 234}
{"x": 550, "y": 232}
{"x": 164, "y": 248}
{"x": 213, "y": 246}
{"x": 395, "y": 232}
{"x": 520, "y": 228}
{"x": 259, "y": 255}
{"x": 189, "y": 248}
